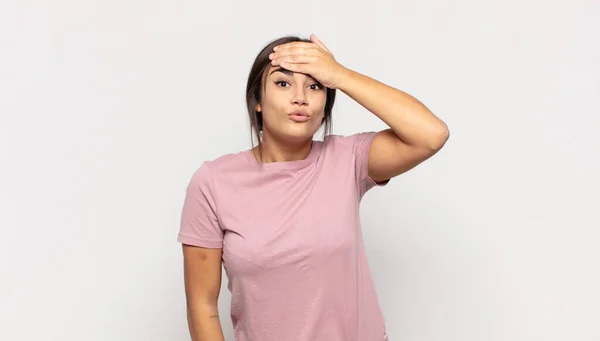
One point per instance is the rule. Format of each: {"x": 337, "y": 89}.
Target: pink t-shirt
{"x": 292, "y": 243}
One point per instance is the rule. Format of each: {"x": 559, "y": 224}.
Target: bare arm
{"x": 415, "y": 133}
{"x": 202, "y": 274}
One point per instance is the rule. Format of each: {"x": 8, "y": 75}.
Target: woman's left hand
{"x": 310, "y": 58}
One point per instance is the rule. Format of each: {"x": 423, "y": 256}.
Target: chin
{"x": 299, "y": 133}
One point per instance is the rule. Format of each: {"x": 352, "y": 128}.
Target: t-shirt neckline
{"x": 287, "y": 165}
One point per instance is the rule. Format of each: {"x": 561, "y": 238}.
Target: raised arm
{"x": 414, "y": 133}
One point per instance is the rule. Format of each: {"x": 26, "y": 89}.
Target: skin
{"x": 202, "y": 279}
{"x": 414, "y": 135}
{"x": 286, "y": 92}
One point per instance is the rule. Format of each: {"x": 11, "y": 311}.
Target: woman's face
{"x": 287, "y": 92}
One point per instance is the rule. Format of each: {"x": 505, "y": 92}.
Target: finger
{"x": 294, "y": 67}
{"x": 294, "y": 59}
{"x": 317, "y": 41}
{"x": 294, "y": 44}
{"x": 293, "y": 51}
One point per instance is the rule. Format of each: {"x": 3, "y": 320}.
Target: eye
{"x": 315, "y": 86}
{"x": 280, "y": 81}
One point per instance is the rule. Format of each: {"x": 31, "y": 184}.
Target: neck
{"x": 274, "y": 150}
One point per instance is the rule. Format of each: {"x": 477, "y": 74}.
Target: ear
{"x": 258, "y": 108}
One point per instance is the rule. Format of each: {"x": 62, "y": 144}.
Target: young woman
{"x": 283, "y": 217}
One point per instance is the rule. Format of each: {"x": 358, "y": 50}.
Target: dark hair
{"x": 255, "y": 89}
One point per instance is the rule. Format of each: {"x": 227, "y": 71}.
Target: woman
{"x": 283, "y": 217}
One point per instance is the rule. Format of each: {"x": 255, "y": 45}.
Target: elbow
{"x": 439, "y": 138}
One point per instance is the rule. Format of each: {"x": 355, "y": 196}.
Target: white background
{"x": 108, "y": 107}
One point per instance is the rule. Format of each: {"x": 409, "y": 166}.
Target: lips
{"x": 299, "y": 116}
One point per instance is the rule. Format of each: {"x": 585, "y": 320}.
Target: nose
{"x": 300, "y": 97}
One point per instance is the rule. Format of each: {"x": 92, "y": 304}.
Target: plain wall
{"x": 108, "y": 107}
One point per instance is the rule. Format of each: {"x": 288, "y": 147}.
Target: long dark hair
{"x": 256, "y": 86}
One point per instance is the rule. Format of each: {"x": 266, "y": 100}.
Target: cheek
{"x": 275, "y": 102}
{"x": 318, "y": 100}
{"x": 270, "y": 107}
{"x": 320, "y": 106}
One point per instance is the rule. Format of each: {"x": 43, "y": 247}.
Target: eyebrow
{"x": 289, "y": 73}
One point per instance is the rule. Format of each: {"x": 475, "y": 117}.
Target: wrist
{"x": 346, "y": 77}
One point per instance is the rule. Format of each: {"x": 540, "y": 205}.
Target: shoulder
{"x": 348, "y": 142}
{"x": 222, "y": 165}
{"x": 229, "y": 162}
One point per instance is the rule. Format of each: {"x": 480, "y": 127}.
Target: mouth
{"x": 299, "y": 116}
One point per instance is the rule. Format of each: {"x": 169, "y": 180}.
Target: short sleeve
{"x": 361, "y": 143}
{"x": 199, "y": 225}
